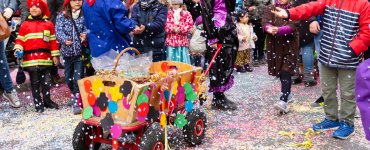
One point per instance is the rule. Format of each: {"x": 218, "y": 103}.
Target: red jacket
{"x": 346, "y": 29}
{"x": 37, "y": 40}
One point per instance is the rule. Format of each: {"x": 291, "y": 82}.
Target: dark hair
{"x": 68, "y": 11}
{"x": 240, "y": 14}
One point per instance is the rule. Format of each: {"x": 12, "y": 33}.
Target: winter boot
{"x": 50, "y": 104}
{"x": 221, "y": 102}
{"x": 39, "y": 106}
{"x": 248, "y": 68}
{"x": 240, "y": 69}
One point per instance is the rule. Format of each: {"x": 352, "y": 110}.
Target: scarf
{"x": 177, "y": 16}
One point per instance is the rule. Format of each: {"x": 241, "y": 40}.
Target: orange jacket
{"x": 37, "y": 40}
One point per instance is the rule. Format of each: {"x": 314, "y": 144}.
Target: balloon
{"x": 174, "y": 88}
{"x": 88, "y": 111}
{"x": 97, "y": 87}
{"x": 142, "y": 98}
{"x": 125, "y": 102}
{"x": 143, "y": 109}
{"x": 87, "y": 85}
{"x": 165, "y": 66}
{"x": 112, "y": 106}
{"x": 91, "y": 98}
{"x": 96, "y": 110}
{"x": 163, "y": 120}
{"x": 116, "y": 131}
{"x": 188, "y": 106}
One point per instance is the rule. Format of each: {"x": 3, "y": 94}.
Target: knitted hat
{"x": 40, "y": 4}
{"x": 198, "y": 21}
{"x": 177, "y": 2}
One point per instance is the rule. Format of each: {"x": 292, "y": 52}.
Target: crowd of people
{"x": 247, "y": 34}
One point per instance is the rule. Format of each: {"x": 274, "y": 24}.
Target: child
{"x": 70, "y": 33}
{"x": 178, "y": 26}
{"x": 346, "y": 34}
{"x": 363, "y": 94}
{"x": 197, "y": 44}
{"x": 282, "y": 45}
{"x": 40, "y": 49}
{"x": 246, "y": 38}
{"x": 150, "y": 17}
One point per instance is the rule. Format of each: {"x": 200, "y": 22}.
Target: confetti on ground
{"x": 255, "y": 125}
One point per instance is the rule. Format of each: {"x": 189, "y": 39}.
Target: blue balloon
{"x": 166, "y": 95}
{"x": 112, "y": 106}
{"x": 188, "y": 106}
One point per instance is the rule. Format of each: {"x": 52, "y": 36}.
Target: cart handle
{"x": 121, "y": 53}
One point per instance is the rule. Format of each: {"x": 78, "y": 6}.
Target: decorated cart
{"x": 134, "y": 112}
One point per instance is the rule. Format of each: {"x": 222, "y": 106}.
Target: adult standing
{"x": 306, "y": 43}
{"x": 255, "y": 9}
{"x": 8, "y": 7}
{"x": 220, "y": 29}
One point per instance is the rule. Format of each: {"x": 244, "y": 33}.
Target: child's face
{"x": 75, "y": 4}
{"x": 284, "y": 2}
{"x": 35, "y": 11}
{"x": 176, "y": 6}
{"x": 244, "y": 19}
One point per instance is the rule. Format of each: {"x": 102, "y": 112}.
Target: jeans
{"x": 308, "y": 62}
{"x": 317, "y": 40}
{"x": 40, "y": 78}
{"x": 5, "y": 78}
{"x": 73, "y": 71}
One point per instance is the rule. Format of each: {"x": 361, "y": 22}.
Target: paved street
{"x": 255, "y": 125}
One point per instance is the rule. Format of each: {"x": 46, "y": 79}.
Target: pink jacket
{"x": 179, "y": 38}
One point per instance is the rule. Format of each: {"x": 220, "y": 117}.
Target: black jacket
{"x": 193, "y": 8}
{"x": 305, "y": 36}
{"x": 227, "y": 33}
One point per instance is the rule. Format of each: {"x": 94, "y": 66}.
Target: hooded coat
{"x": 363, "y": 94}
{"x": 108, "y": 26}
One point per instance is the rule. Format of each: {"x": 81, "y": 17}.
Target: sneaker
{"x": 344, "y": 131}
{"x": 297, "y": 80}
{"x": 248, "y": 68}
{"x": 326, "y": 125}
{"x": 318, "y": 103}
{"x": 281, "y": 106}
{"x": 76, "y": 110}
{"x": 12, "y": 97}
{"x": 71, "y": 100}
{"x": 240, "y": 69}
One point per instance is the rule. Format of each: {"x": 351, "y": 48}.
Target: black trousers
{"x": 40, "y": 79}
{"x": 258, "y": 52}
{"x": 367, "y": 54}
{"x": 222, "y": 67}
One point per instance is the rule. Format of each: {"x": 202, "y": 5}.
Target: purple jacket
{"x": 363, "y": 94}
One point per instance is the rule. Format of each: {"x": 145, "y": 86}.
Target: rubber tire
{"x": 153, "y": 134}
{"x": 78, "y": 141}
{"x": 188, "y": 130}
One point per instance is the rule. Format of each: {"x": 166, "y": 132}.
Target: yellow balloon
{"x": 97, "y": 87}
{"x": 163, "y": 120}
{"x": 115, "y": 94}
{"x": 174, "y": 89}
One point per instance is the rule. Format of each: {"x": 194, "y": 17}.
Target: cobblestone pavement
{"x": 255, "y": 125}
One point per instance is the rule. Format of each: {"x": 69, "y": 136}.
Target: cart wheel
{"x": 153, "y": 138}
{"x": 81, "y": 139}
{"x": 195, "y": 130}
